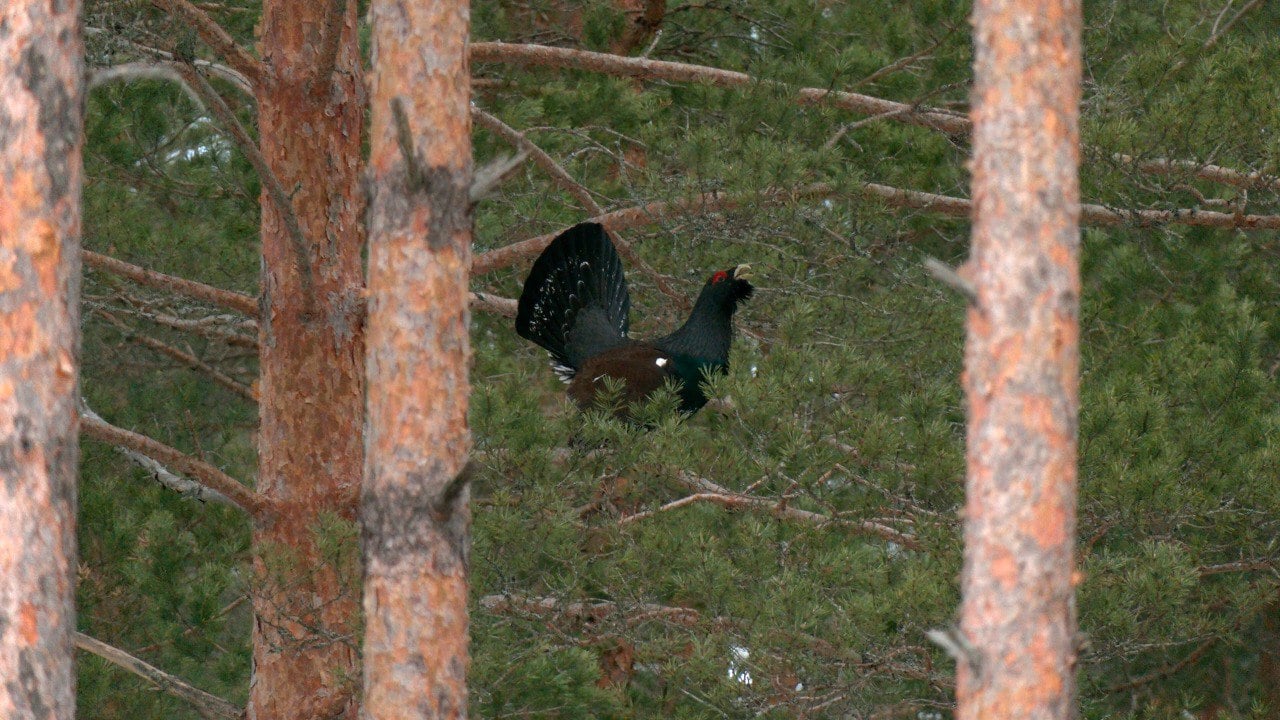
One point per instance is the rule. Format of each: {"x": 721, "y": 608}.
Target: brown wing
{"x": 641, "y": 368}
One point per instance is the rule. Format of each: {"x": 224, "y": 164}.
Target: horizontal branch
{"x": 237, "y": 79}
{"x": 494, "y": 304}
{"x": 592, "y": 611}
{"x": 215, "y": 37}
{"x": 225, "y": 298}
{"x": 1209, "y": 172}
{"x": 948, "y": 122}
{"x": 1090, "y": 214}
{"x": 207, "y": 705}
{"x": 644, "y": 68}
{"x": 213, "y": 327}
{"x": 182, "y": 356}
{"x": 711, "y": 492}
{"x": 640, "y": 216}
{"x": 200, "y": 471}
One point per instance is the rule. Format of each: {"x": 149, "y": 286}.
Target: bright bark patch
{"x": 415, "y": 504}
{"x": 41, "y": 130}
{"x": 1021, "y": 364}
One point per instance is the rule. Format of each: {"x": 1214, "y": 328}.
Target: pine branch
{"x": 215, "y": 37}
{"x": 644, "y": 68}
{"x": 634, "y": 614}
{"x": 199, "y": 470}
{"x": 181, "y": 356}
{"x": 710, "y": 492}
{"x": 208, "y": 705}
{"x": 142, "y": 70}
{"x": 1209, "y": 172}
{"x": 163, "y": 475}
{"x": 946, "y": 205}
{"x": 235, "y": 78}
{"x": 206, "y": 327}
{"x": 226, "y": 298}
{"x": 639, "y": 216}
{"x": 1164, "y": 672}
{"x": 494, "y": 304}
{"x": 566, "y": 182}
{"x": 238, "y": 135}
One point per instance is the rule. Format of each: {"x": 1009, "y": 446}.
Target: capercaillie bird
{"x": 575, "y": 305}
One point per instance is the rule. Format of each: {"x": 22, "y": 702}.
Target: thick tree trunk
{"x": 1021, "y": 364}
{"x": 415, "y": 505}
{"x": 312, "y": 361}
{"x": 41, "y": 136}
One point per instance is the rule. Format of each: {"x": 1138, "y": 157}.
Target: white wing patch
{"x": 660, "y": 362}
{"x": 562, "y": 371}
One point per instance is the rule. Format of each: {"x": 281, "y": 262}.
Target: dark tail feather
{"x": 575, "y": 302}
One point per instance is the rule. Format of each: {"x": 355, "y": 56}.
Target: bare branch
{"x": 878, "y": 108}
{"x": 903, "y": 62}
{"x": 639, "y": 216}
{"x": 201, "y": 471}
{"x": 183, "y": 357}
{"x": 213, "y": 327}
{"x": 163, "y": 475}
{"x": 237, "y": 79}
{"x": 708, "y": 491}
{"x": 1211, "y": 173}
{"x": 1164, "y": 672}
{"x": 209, "y": 706}
{"x": 1218, "y": 32}
{"x": 215, "y": 37}
{"x": 494, "y": 304}
{"x": 301, "y": 249}
{"x": 1091, "y": 214}
{"x": 593, "y": 611}
{"x": 489, "y": 176}
{"x": 226, "y": 298}
{"x": 948, "y": 276}
{"x": 566, "y": 182}
{"x": 128, "y": 72}
{"x": 640, "y": 67}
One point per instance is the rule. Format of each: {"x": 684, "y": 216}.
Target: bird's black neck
{"x": 707, "y": 333}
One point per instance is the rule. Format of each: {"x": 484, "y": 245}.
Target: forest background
{"x": 590, "y": 598}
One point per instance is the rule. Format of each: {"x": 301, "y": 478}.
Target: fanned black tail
{"x": 575, "y": 302}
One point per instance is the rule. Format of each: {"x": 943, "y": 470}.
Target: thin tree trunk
{"x": 415, "y": 504}
{"x": 312, "y": 360}
{"x": 1022, "y": 365}
{"x": 41, "y": 136}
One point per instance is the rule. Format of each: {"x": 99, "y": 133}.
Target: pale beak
{"x": 742, "y": 272}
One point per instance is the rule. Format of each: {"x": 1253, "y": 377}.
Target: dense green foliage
{"x": 842, "y": 400}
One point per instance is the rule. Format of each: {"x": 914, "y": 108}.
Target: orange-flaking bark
{"x": 311, "y": 453}
{"x": 41, "y": 131}
{"x": 415, "y": 503}
{"x": 1022, "y": 364}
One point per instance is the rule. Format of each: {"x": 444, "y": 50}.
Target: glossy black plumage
{"x": 575, "y": 305}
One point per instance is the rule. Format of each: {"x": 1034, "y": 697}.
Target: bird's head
{"x": 729, "y": 287}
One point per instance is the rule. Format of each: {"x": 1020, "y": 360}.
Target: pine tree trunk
{"x": 312, "y": 362}
{"x": 41, "y": 137}
{"x": 415, "y": 504}
{"x": 1021, "y": 364}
